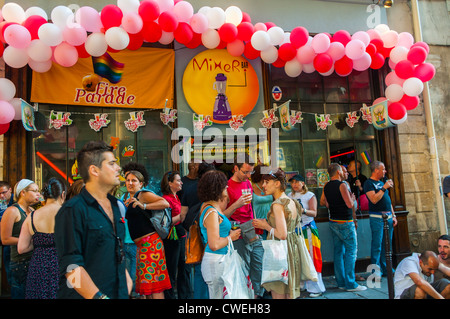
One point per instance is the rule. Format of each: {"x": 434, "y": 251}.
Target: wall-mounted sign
{"x": 220, "y": 85}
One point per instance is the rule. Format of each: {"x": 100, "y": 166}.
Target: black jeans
{"x": 179, "y": 277}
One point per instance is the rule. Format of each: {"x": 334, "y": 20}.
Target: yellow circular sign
{"x": 220, "y": 85}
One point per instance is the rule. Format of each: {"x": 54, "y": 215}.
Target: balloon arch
{"x": 32, "y": 40}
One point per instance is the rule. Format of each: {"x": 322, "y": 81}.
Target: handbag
{"x": 308, "y": 271}
{"x": 275, "y": 260}
{"x": 195, "y": 248}
{"x": 161, "y": 220}
{"x": 237, "y": 283}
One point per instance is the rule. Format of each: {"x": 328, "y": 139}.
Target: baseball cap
{"x": 297, "y": 177}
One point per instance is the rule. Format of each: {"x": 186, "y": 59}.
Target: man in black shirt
{"x": 355, "y": 178}
{"x": 89, "y": 232}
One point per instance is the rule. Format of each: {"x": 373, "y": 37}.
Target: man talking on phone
{"x": 379, "y": 203}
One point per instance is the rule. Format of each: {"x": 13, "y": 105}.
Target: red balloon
{"x": 404, "y": 69}
{"x": 4, "y": 128}
{"x": 377, "y": 61}
{"x": 323, "y": 63}
{"x": 396, "y": 111}
{"x": 3, "y": 26}
{"x": 270, "y": 25}
{"x": 287, "y": 52}
{"x": 421, "y": 44}
{"x": 1, "y": 49}
{"x": 299, "y": 37}
{"x": 33, "y": 23}
{"x": 222, "y": 45}
{"x": 195, "y": 41}
{"x": 136, "y": 41}
{"x": 245, "y": 31}
{"x": 385, "y": 51}
{"x": 371, "y": 49}
{"x": 425, "y": 72}
{"x": 151, "y": 31}
{"x": 279, "y": 63}
{"x": 417, "y": 55}
{"x": 250, "y": 52}
{"x": 342, "y": 36}
{"x": 228, "y": 32}
{"x": 344, "y": 66}
{"x": 111, "y": 16}
{"x": 246, "y": 17}
{"x": 168, "y": 21}
{"x": 82, "y": 53}
{"x": 410, "y": 102}
{"x": 149, "y": 10}
{"x": 183, "y": 33}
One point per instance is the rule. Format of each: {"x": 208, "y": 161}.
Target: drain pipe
{"x": 430, "y": 129}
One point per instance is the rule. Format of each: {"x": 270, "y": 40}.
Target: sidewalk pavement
{"x": 379, "y": 290}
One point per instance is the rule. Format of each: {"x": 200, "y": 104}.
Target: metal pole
{"x": 387, "y": 243}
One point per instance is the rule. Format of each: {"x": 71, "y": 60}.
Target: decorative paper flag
{"x": 366, "y": 114}
{"x": 107, "y": 67}
{"x": 236, "y": 122}
{"x": 168, "y": 115}
{"x": 322, "y": 121}
{"x": 380, "y": 118}
{"x": 28, "y": 116}
{"x": 114, "y": 142}
{"x": 200, "y": 123}
{"x": 366, "y": 157}
{"x": 285, "y": 119}
{"x": 352, "y": 119}
{"x": 135, "y": 121}
{"x": 269, "y": 118}
{"x": 99, "y": 121}
{"x": 128, "y": 151}
{"x": 59, "y": 119}
{"x": 296, "y": 117}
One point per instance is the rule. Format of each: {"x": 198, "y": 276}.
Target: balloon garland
{"x": 30, "y": 38}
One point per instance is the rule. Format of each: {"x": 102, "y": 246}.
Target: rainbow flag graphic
{"x": 108, "y": 68}
{"x": 319, "y": 161}
{"x": 366, "y": 157}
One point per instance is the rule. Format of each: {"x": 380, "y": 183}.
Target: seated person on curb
{"x": 414, "y": 278}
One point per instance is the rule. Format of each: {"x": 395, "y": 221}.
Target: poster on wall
{"x": 220, "y": 85}
{"x": 143, "y": 79}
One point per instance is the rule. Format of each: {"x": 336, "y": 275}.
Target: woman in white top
{"x": 309, "y": 230}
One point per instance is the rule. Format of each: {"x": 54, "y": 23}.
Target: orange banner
{"x": 135, "y": 79}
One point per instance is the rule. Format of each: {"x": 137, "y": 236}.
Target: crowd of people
{"x": 87, "y": 241}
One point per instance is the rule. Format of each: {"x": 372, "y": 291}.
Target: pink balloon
{"x": 355, "y": 49}
{"x": 89, "y": 18}
{"x": 417, "y": 55}
{"x": 65, "y": 55}
{"x": 392, "y": 78}
{"x": 363, "y": 63}
{"x": 342, "y": 36}
{"x": 425, "y": 72}
{"x": 320, "y": 43}
{"x": 199, "y": 23}
{"x": 379, "y": 100}
{"x": 299, "y": 37}
{"x": 132, "y": 22}
{"x": 305, "y": 54}
{"x": 236, "y": 48}
{"x": 259, "y": 26}
{"x": 75, "y": 34}
{"x": 17, "y": 36}
{"x": 362, "y": 36}
{"x": 7, "y": 112}
{"x": 168, "y": 21}
{"x": 336, "y": 50}
{"x": 404, "y": 69}
{"x": 423, "y": 45}
{"x": 183, "y": 11}
{"x": 373, "y": 34}
{"x": 405, "y": 39}
{"x": 111, "y": 16}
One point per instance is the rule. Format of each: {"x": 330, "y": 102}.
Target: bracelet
{"x": 383, "y": 190}
{"x": 100, "y": 295}
{"x": 145, "y": 205}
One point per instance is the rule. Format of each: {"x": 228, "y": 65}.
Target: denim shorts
{"x": 439, "y": 285}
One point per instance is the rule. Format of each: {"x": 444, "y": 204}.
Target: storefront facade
{"x": 305, "y": 148}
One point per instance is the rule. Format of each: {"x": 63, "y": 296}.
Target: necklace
{"x": 262, "y": 192}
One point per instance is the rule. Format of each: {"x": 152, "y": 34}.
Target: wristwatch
{"x": 100, "y": 295}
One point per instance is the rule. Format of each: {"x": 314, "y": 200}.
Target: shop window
{"x": 309, "y": 150}
{"x": 55, "y": 150}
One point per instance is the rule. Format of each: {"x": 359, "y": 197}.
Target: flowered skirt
{"x": 152, "y": 274}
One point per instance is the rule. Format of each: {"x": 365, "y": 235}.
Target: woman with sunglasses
{"x": 152, "y": 277}
{"x": 284, "y": 215}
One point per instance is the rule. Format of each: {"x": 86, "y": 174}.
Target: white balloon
{"x": 260, "y": 40}
{"x": 15, "y": 58}
{"x": 329, "y": 72}
{"x": 40, "y": 67}
{"x": 7, "y": 89}
{"x": 293, "y": 68}
{"x": 166, "y": 37}
{"x": 50, "y": 34}
{"x": 216, "y": 17}
{"x": 204, "y": 10}
{"x": 411, "y": 86}
{"x": 394, "y": 92}
{"x": 62, "y": 16}
{"x": 96, "y": 44}
{"x": 402, "y": 120}
{"x": 276, "y": 35}
{"x": 382, "y": 28}
{"x": 269, "y": 55}
{"x": 211, "y": 38}
{"x": 17, "y": 105}
{"x": 128, "y": 6}
{"x": 398, "y": 54}
{"x": 390, "y": 39}
{"x": 117, "y": 38}
{"x": 39, "y": 51}
{"x": 233, "y": 15}
{"x": 308, "y": 68}
{"x": 36, "y": 11}
{"x": 12, "y": 12}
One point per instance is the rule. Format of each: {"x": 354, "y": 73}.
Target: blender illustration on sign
{"x": 222, "y": 111}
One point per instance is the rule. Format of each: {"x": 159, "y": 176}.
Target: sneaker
{"x": 358, "y": 288}
{"x": 315, "y": 295}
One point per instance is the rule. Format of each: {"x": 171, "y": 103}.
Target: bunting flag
{"x": 269, "y": 118}
{"x": 135, "y": 121}
{"x": 236, "y": 122}
{"x": 323, "y": 121}
{"x": 99, "y": 121}
{"x": 351, "y": 119}
{"x": 200, "y": 122}
{"x": 59, "y": 119}
{"x": 108, "y": 68}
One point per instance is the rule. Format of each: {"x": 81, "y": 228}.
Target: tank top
{"x": 224, "y": 230}
{"x": 336, "y": 204}
{"x": 15, "y": 256}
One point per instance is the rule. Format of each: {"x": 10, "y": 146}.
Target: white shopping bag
{"x": 237, "y": 283}
{"x": 275, "y": 260}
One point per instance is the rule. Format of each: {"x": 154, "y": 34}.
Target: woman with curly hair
{"x": 215, "y": 228}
